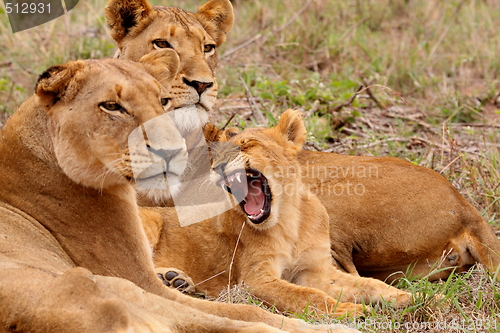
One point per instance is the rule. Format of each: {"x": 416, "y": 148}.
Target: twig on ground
{"x": 261, "y": 120}
{"x": 473, "y": 125}
{"x": 449, "y": 164}
{"x": 373, "y": 144}
{"x": 265, "y": 36}
{"x": 445, "y": 32}
{"x": 294, "y": 17}
{"x": 349, "y": 102}
{"x": 420, "y": 122}
{"x": 353, "y": 132}
{"x": 242, "y": 45}
{"x": 372, "y": 96}
{"x": 235, "y": 107}
{"x": 228, "y": 121}
{"x": 314, "y": 145}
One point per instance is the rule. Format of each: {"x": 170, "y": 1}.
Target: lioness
{"x": 401, "y": 216}
{"x": 139, "y": 28}
{"x": 73, "y": 254}
{"x": 277, "y": 239}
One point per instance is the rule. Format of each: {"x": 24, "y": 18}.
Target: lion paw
{"x": 176, "y": 279}
{"x": 396, "y": 297}
{"x": 403, "y": 299}
{"x": 351, "y": 309}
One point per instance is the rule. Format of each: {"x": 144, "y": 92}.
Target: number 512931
{"x": 27, "y": 8}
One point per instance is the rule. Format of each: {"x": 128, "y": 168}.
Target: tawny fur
{"x": 73, "y": 255}
{"x": 388, "y": 215}
{"x": 137, "y": 27}
{"x": 285, "y": 260}
{"x": 407, "y": 215}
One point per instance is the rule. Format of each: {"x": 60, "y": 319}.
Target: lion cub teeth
{"x": 227, "y": 182}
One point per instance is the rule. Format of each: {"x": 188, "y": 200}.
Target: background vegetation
{"x": 408, "y": 78}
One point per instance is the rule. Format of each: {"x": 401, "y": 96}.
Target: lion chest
{"x": 278, "y": 251}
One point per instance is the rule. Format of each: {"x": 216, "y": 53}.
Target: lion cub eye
{"x": 209, "y": 48}
{"x": 110, "y": 106}
{"x": 162, "y": 44}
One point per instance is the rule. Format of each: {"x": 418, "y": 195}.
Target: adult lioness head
{"x": 123, "y": 133}
{"x": 259, "y": 167}
{"x": 139, "y": 28}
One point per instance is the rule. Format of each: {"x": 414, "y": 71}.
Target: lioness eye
{"x": 208, "y": 48}
{"x": 162, "y": 44}
{"x": 164, "y": 101}
{"x": 111, "y": 106}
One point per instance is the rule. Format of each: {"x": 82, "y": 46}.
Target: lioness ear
{"x": 217, "y": 18}
{"x": 54, "y": 83}
{"x": 292, "y": 127}
{"x": 123, "y": 15}
{"x": 162, "y": 64}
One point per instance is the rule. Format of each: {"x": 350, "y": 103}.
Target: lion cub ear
{"x": 292, "y": 127}
{"x": 229, "y": 133}
{"x": 162, "y": 64}
{"x": 55, "y": 83}
{"x": 123, "y": 15}
{"x": 217, "y": 18}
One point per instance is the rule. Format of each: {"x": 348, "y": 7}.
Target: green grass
{"x": 406, "y": 78}
{"x": 468, "y": 302}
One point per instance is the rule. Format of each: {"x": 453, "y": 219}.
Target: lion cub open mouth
{"x": 250, "y": 187}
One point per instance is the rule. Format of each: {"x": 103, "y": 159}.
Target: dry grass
{"x": 406, "y": 78}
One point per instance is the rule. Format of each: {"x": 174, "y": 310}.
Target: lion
{"x": 276, "y": 240}
{"x": 402, "y": 219}
{"x": 73, "y": 254}
{"x": 390, "y": 218}
{"x": 139, "y": 28}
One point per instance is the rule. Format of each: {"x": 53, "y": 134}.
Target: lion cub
{"x": 276, "y": 240}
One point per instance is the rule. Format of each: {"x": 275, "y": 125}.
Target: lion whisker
{"x": 111, "y": 167}
{"x": 206, "y": 184}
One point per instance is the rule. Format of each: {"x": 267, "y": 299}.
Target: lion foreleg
{"x": 349, "y": 288}
{"x": 318, "y": 271}
{"x": 294, "y": 298}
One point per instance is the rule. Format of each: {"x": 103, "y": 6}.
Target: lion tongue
{"x": 255, "y": 198}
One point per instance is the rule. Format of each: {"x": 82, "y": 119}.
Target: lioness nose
{"x": 199, "y": 86}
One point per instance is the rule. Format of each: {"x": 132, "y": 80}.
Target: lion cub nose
{"x": 219, "y": 167}
{"x": 199, "y": 86}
